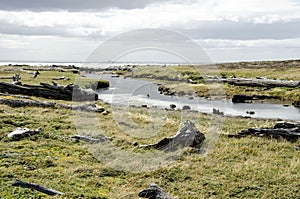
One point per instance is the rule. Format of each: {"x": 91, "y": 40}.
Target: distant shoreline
{"x": 88, "y": 64}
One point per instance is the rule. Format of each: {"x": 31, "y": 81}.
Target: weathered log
{"x": 259, "y": 82}
{"x": 16, "y": 96}
{"x": 24, "y": 103}
{"x": 19, "y": 133}
{"x": 69, "y": 92}
{"x": 8, "y": 77}
{"x": 154, "y": 192}
{"x": 89, "y": 139}
{"x": 286, "y": 130}
{"x": 63, "y": 69}
{"x": 35, "y": 103}
{"x": 36, "y": 187}
{"x": 187, "y": 136}
{"x": 61, "y": 78}
{"x": 240, "y": 98}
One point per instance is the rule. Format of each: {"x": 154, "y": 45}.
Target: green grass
{"x": 249, "y": 167}
{"x": 237, "y": 168}
{"x": 175, "y": 78}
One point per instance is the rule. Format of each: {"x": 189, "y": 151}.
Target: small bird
{"x": 148, "y": 95}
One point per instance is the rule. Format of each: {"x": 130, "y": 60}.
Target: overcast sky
{"x": 228, "y": 30}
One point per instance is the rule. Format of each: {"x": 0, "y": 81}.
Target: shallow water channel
{"x": 134, "y": 92}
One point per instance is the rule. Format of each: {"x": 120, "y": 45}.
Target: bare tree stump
{"x": 187, "y": 136}
{"x": 154, "y": 192}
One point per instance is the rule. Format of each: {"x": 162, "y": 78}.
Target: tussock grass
{"x": 249, "y": 167}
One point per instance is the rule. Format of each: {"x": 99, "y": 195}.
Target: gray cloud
{"x": 73, "y": 5}
{"x": 243, "y": 30}
{"x": 202, "y": 30}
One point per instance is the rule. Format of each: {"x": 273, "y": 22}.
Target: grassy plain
{"x": 271, "y": 70}
{"x": 250, "y": 167}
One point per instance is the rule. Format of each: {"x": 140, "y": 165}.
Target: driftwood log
{"x": 50, "y": 192}
{"x": 240, "y": 98}
{"x": 187, "y": 136}
{"x": 69, "y": 92}
{"x": 19, "y": 133}
{"x": 61, "y": 78}
{"x": 55, "y": 68}
{"x": 286, "y": 130}
{"x": 154, "y": 192}
{"x": 89, "y": 139}
{"x": 35, "y": 103}
{"x": 260, "y": 82}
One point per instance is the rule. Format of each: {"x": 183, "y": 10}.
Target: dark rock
{"x": 135, "y": 144}
{"x": 217, "y": 112}
{"x": 154, "y": 192}
{"x": 250, "y": 112}
{"x": 186, "y": 107}
{"x": 296, "y": 103}
{"x": 172, "y": 106}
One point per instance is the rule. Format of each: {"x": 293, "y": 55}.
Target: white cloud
{"x": 184, "y": 14}
{"x": 258, "y": 43}
{"x": 218, "y": 24}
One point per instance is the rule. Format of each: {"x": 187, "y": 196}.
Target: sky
{"x": 227, "y": 30}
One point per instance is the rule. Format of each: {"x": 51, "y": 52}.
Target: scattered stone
{"x": 172, "y": 106}
{"x": 154, "y": 192}
{"x": 296, "y": 103}
{"x": 186, "y": 107}
{"x": 250, "y": 112}
{"x": 218, "y": 112}
{"x": 187, "y": 136}
{"x": 135, "y": 144}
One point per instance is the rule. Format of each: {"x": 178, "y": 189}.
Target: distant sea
{"x": 85, "y": 64}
